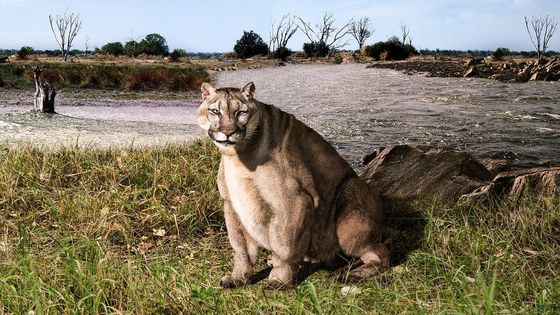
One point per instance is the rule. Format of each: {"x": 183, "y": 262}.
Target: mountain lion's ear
{"x": 207, "y": 90}
{"x": 249, "y": 90}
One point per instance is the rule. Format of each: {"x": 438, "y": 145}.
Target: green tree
{"x": 24, "y": 52}
{"x": 177, "y": 53}
{"x": 131, "y": 48}
{"x": 394, "y": 49}
{"x": 249, "y": 45}
{"x": 115, "y": 49}
{"x": 154, "y": 44}
{"x": 316, "y": 49}
{"x": 500, "y": 53}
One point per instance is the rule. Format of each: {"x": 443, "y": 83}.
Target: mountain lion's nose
{"x": 228, "y": 132}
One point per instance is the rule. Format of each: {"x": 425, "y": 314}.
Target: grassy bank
{"x": 141, "y": 231}
{"x": 131, "y": 77}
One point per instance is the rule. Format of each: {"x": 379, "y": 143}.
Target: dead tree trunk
{"x": 44, "y": 94}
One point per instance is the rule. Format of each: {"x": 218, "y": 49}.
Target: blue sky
{"x": 205, "y": 25}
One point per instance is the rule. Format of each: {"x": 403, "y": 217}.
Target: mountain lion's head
{"x": 228, "y": 114}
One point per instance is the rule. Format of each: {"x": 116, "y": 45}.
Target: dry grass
{"x": 119, "y": 76}
{"x": 141, "y": 231}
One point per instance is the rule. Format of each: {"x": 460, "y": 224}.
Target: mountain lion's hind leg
{"x": 359, "y": 228}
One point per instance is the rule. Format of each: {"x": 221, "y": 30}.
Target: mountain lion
{"x": 287, "y": 190}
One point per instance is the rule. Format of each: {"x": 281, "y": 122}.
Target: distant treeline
{"x": 481, "y": 53}
{"x": 77, "y": 52}
{"x": 207, "y": 55}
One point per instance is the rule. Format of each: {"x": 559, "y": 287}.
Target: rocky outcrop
{"x": 404, "y": 174}
{"x": 505, "y": 71}
{"x": 516, "y": 184}
{"x": 347, "y": 57}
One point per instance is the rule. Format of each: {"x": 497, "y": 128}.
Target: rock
{"x": 369, "y": 157}
{"x": 281, "y": 64}
{"x": 403, "y": 174}
{"x": 474, "y": 61}
{"x": 541, "y": 62}
{"x": 348, "y": 57}
{"x": 496, "y": 166}
{"x": 515, "y": 184}
{"x": 352, "y": 289}
{"x": 472, "y": 71}
{"x": 538, "y": 75}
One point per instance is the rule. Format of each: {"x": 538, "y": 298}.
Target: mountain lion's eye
{"x": 215, "y": 111}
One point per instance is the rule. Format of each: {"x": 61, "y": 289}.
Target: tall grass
{"x": 140, "y": 231}
{"x": 133, "y": 77}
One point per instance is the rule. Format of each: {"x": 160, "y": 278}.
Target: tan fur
{"x": 286, "y": 189}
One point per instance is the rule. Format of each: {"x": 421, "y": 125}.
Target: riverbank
{"x": 510, "y": 71}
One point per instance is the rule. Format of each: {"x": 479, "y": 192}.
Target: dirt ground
{"x": 100, "y": 119}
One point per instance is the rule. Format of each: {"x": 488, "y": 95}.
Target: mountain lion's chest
{"x": 245, "y": 192}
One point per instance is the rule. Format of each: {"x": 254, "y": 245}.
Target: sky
{"x": 214, "y": 26}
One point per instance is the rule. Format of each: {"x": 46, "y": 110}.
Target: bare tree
{"x": 325, "y": 32}
{"x": 543, "y": 29}
{"x": 67, "y": 27}
{"x": 405, "y": 34}
{"x": 281, "y": 33}
{"x": 361, "y": 30}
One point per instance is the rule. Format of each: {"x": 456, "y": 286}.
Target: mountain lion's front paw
{"x": 228, "y": 282}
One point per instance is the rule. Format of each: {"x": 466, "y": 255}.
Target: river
{"x": 359, "y": 110}
{"x": 356, "y": 109}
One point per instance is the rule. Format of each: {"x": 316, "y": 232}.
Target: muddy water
{"x": 359, "y": 109}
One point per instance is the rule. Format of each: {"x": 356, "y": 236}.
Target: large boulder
{"x": 403, "y": 174}
{"x": 516, "y": 184}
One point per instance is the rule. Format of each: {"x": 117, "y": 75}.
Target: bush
{"x": 282, "y": 53}
{"x": 115, "y": 49}
{"x": 390, "y": 50}
{"x": 176, "y": 54}
{"x": 500, "y": 53}
{"x": 131, "y": 48}
{"x": 316, "y": 49}
{"x": 24, "y": 52}
{"x": 249, "y": 45}
{"x": 153, "y": 44}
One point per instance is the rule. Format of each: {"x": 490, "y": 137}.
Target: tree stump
{"x": 44, "y": 94}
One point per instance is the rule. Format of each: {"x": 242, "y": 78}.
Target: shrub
{"x": 24, "y": 52}
{"x": 176, "y": 54}
{"x": 153, "y": 44}
{"x": 390, "y": 50}
{"x": 282, "y": 53}
{"x": 316, "y": 49}
{"x": 249, "y": 45}
{"x": 500, "y": 53}
{"x": 115, "y": 49}
{"x": 131, "y": 48}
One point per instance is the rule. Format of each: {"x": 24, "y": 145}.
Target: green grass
{"x": 140, "y": 231}
{"x": 131, "y": 77}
